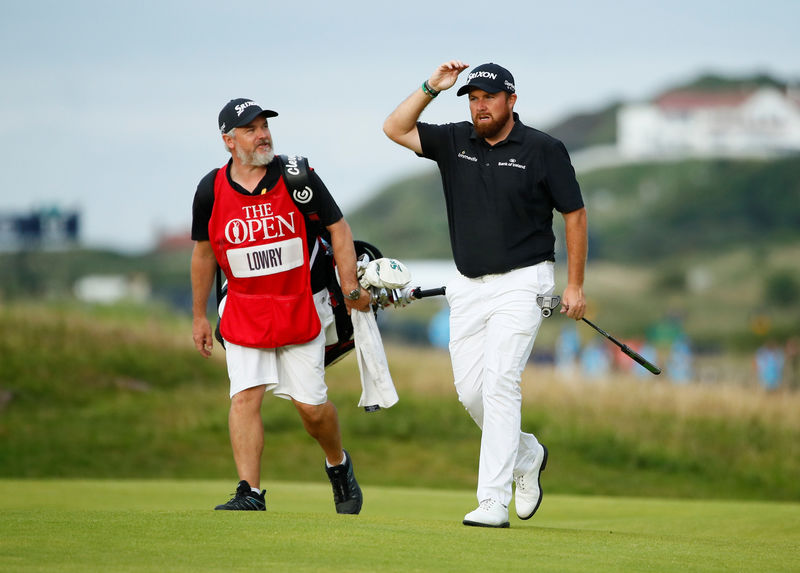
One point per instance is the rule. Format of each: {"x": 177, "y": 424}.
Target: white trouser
{"x": 493, "y": 324}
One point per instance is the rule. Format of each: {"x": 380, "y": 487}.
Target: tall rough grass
{"x": 123, "y": 394}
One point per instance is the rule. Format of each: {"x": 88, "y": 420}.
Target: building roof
{"x": 175, "y": 242}
{"x": 691, "y": 100}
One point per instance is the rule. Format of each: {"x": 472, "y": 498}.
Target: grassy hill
{"x": 651, "y": 211}
{"x": 643, "y": 212}
{"x": 713, "y": 242}
{"x": 586, "y": 129}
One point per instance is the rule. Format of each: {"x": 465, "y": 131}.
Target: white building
{"x": 755, "y": 122}
{"x": 108, "y": 289}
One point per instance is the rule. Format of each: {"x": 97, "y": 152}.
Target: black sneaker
{"x": 245, "y": 499}
{"x": 346, "y": 493}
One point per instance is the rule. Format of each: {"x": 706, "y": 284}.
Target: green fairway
{"x": 170, "y": 526}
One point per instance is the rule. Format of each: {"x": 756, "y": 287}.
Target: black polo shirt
{"x": 321, "y": 212}
{"x": 500, "y": 198}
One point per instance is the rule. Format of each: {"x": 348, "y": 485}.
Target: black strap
{"x": 220, "y": 294}
{"x": 295, "y": 172}
{"x": 219, "y": 285}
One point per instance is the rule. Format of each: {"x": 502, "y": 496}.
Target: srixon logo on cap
{"x": 474, "y": 75}
{"x": 243, "y": 106}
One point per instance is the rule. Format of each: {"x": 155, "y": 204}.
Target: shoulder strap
{"x": 295, "y": 172}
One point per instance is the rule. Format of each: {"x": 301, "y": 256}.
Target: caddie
{"x": 246, "y": 222}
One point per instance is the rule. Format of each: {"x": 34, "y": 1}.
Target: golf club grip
{"x": 420, "y": 293}
{"x": 640, "y": 359}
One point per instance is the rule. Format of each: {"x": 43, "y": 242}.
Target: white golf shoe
{"x": 490, "y": 513}
{"x": 529, "y": 489}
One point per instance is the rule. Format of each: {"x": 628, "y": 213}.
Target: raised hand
{"x": 445, "y": 76}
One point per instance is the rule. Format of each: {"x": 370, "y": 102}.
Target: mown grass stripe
{"x": 170, "y": 525}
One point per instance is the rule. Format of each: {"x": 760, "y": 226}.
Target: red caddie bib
{"x": 260, "y": 244}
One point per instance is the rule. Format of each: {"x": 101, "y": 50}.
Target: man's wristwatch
{"x": 354, "y": 294}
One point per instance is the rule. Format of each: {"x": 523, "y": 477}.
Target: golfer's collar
{"x": 515, "y": 136}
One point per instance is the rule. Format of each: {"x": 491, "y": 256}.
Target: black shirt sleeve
{"x": 433, "y": 139}
{"x": 560, "y": 178}
{"x": 202, "y": 205}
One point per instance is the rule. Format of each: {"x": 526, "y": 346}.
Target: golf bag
{"x": 344, "y": 326}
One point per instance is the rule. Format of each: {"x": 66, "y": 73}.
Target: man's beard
{"x": 489, "y": 130}
{"x": 256, "y": 158}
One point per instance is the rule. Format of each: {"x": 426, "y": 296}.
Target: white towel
{"x": 377, "y": 388}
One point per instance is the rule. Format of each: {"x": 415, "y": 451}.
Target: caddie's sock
{"x": 255, "y": 490}
{"x": 344, "y": 459}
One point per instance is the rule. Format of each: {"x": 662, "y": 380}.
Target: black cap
{"x": 239, "y": 112}
{"x": 490, "y": 78}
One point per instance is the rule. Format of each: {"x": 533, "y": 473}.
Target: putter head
{"x": 548, "y": 303}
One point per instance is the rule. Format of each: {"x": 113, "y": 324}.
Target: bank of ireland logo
{"x": 303, "y": 196}
{"x": 236, "y": 231}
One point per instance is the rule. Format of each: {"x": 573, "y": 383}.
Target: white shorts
{"x": 296, "y": 371}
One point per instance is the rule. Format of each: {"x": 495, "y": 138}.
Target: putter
{"x": 550, "y": 303}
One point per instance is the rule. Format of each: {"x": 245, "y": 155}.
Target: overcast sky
{"x": 111, "y": 107}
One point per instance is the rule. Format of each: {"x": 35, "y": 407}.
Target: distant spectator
{"x": 769, "y": 365}
{"x": 439, "y": 329}
{"x": 595, "y": 361}
{"x": 667, "y": 331}
{"x": 568, "y": 346}
{"x": 679, "y": 364}
{"x": 648, "y": 352}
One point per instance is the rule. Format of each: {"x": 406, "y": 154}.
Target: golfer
{"x": 246, "y": 221}
{"x": 502, "y": 180}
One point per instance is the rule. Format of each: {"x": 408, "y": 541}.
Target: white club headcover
{"x": 361, "y": 265}
{"x": 385, "y": 273}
